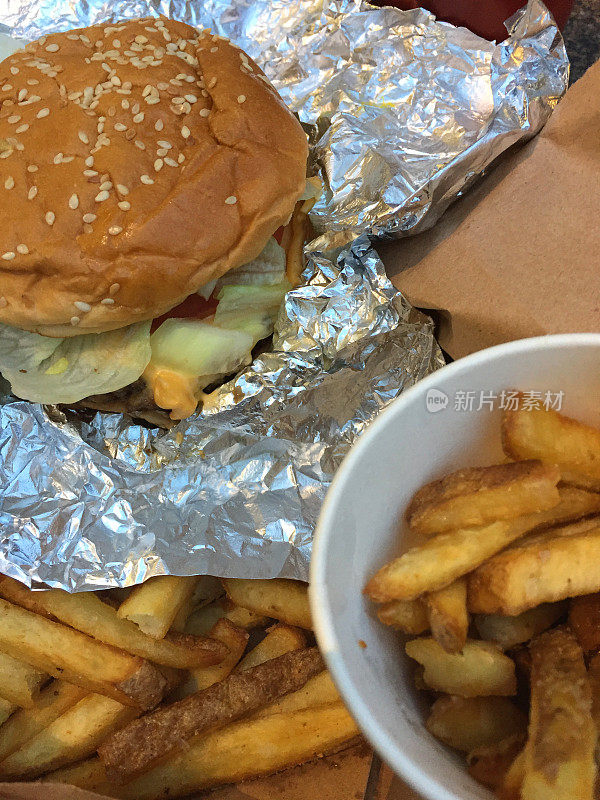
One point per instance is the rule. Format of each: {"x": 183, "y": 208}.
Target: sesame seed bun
{"x": 138, "y": 161}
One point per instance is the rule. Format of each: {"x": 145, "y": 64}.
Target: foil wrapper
{"x": 403, "y": 112}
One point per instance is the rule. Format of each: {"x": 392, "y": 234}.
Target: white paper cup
{"x": 421, "y": 436}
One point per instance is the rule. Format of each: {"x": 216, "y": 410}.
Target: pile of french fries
{"x": 174, "y": 686}
{"x": 502, "y": 591}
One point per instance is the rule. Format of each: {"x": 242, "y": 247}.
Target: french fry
{"x": 559, "y": 754}
{"x": 480, "y": 670}
{"x": 408, "y": 616}
{"x": 71, "y": 737}
{"x": 284, "y": 600}
{"x": 135, "y": 748}
{"x": 554, "y": 439}
{"x": 20, "y": 683}
{"x": 510, "y": 788}
{"x": 584, "y": 619}
{"x": 468, "y": 723}
{"x": 87, "y": 613}
{"x": 6, "y": 710}
{"x": 203, "y": 619}
{"x": 507, "y": 632}
{"x": 71, "y": 655}
{"x": 280, "y": 639}
{"x": 490, "y": 765}
{"x": 154, "y": 605}
{"x": 241, "y": 751}
{"x": 480, "y": 495}
{"x": 448, "y": 615}
{"x": 235, "y": 639}
{"x": 88, "y": 774}
{"x": 317, "y": 691}
{"x": 444, "y": 558}
{"x": 25, "y": 723}
{"x": 594, "y": 679}
{"x": 544, "y": 568}
{"x": 207, "y": 590}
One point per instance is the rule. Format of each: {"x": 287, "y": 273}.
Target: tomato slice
{"x": 193, "y": 307}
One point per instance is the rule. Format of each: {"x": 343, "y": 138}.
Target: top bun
{"x": 138, "y": 161}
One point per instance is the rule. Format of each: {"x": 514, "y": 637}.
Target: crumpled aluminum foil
{"x": 403, "y": 113}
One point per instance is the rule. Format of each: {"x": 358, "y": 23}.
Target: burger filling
{"x": 203, "y": 340}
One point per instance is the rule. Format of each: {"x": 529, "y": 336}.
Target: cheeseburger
{"x": 153, "y": 201}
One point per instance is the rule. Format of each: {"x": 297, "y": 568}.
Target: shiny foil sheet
{"x": 403, "y": 113}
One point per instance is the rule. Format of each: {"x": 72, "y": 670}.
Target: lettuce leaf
{"x": 46, "y": 370}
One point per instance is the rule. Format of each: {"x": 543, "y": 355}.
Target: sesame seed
{"x": 122, "y": 189}
{"x": 22, "y": 128}
{"x": 82, "y": 306}
{"x": 120, "y": 127}
{"x": 162, "y": 85}
{"x": 241, "y": 98}
{"x": 32, "y": 82}
{"x": 9, "y": 183}
{"x": 22, "y": 93}
{"x": 178, "y": 100}
{"x": 58, "y": 158}
{"x": 52, "y": 48}
{"x": 124, "y": 104}
{"x": 212, "y": 83}
{"x": 14, "y": 119}
{"x": 159, "y": 125}
{"x": 22, "y": 249}
{"x": 83, "y": 137}
{"x": 147, "y": 89}
{"x": 3, "y": 302}
{"x": 141, "y": 39}
{"x": 7, "y": 87}
{"x": 50, "y": 217}
{"x": 135, "y": 108}
{"x": 171, "y": 162}
{"x": 108, "y": 301}
{"x": 162, "y": 151}
{"x": 105, "y": 185}
{"x": 116, "y": 43}
{"x": 89, "y": 162}
{"x": 191, "y": 98}
{"x": 75, "y": 321}
{"x": 115, "y": 230}
{"x": 43, "y": 112}
{"x": 146, "y": 179}
{"x": 231, "y": 200}
{"x": 181, "y": 158}
{"x": 73, "y": 201}
{"x": 204, "y": 112}
{"x": 101, "y": 196}
{"x": 124, "y": 205}
{"x": 114, "y": 288}
{"x": 158, "y": 164}
{"x": 163, "y": 143}
{"x": 14, "y": 70}
{"x": 185, "y": 131}
{"x": 32, "y": 193}
{"x": 139, "y": 144}
{"x": 139, "y": 117}
{"x": 213, "y": 49}
{"x": 32, "y": 168}
{"x": 152, "y": 100}
{"x": 89, "y": 218}
{"x": 89, "y": 173}
{"x": 73, "y": 36}
{"x": 8, "y": 256}
{"x": 112, "y": 111}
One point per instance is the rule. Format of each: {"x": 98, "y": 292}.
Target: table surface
{"x": 582, "y": 36}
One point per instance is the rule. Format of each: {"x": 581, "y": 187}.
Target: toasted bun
{"x": 138, "y": 161}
